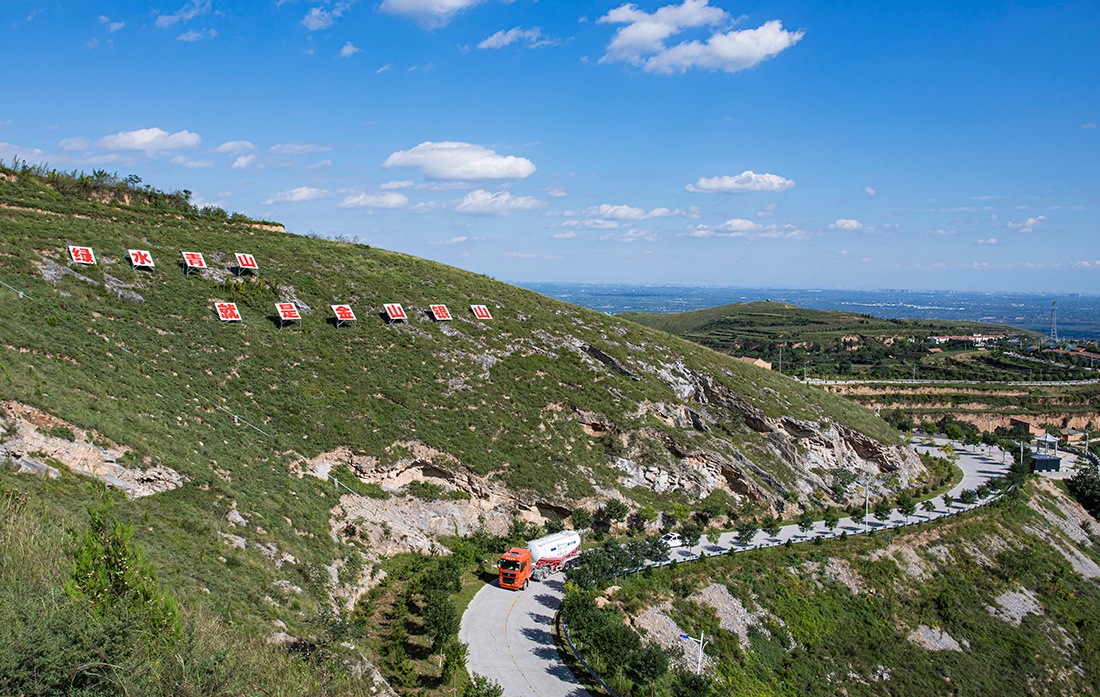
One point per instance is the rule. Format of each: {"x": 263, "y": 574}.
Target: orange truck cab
{"x": 515, "y": 568}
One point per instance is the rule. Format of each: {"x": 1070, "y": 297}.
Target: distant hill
{"x": 828, "y": 343}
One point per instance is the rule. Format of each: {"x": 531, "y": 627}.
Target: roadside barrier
{"x": 964, "y": 508}
{"x": 576, "y": 652}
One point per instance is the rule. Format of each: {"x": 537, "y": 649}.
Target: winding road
{"x": 509, "y": 632}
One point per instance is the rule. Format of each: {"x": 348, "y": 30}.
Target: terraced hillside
{"x": 825, "y": 343}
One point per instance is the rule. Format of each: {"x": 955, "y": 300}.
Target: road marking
{"x": 510, "y": 608}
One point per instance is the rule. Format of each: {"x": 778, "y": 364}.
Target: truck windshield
{"x": 509, "y": 565}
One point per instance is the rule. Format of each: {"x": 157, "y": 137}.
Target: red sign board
{"x": 246, "y": 261}
{"x": 441, "y": 313}
{"x": 481, "y": 311}
{"x": 343, "y": 313}
{"x": 82, "y": 255}
{"x": 194, "y": 260}
{"x": 288, "y": 311}
{"x": 395, "y": 312}
{"x": 227, "y": 312}
{"x": 141, "y": 257}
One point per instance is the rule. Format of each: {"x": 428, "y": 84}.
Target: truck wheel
{"x": 526, "y": 581}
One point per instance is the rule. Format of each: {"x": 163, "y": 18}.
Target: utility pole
{"x": 701, "y": 642}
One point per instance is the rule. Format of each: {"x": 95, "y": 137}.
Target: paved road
{"x": 509, "y": 632}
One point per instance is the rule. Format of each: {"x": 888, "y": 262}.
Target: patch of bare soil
{"x": 933, "y": 639}
{"x": 658, "y": 627}
{"x": 1014, "y": 606}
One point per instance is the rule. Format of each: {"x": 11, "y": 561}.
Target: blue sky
{"x": 937, "y": 145}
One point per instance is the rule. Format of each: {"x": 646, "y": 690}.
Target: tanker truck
{"x": 539, "y": 559}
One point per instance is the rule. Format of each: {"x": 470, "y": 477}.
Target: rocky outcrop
{"x": 37, "y": 442}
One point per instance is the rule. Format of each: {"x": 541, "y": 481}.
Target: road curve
{"x": 510, "y": 640}
{"x": 509, "y": 632}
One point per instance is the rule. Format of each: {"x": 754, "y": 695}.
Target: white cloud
{"x": 767, "y": 211}
{"x": 196, "y": 35}
{"x": 746, "y": 181}
{"x": 1028, "y": 225}
{"x": 299, "y": 148}
{"x": 565, "y": 235}
{"x": 244, "y": 162}
{"x": 481, "y": 202}
{"x": 430, "y": 14}
{"x": 384, "y": 69}
{"x": 557, "y": 192}
{"x": 318, "y": 18}
{"x": 990, "y": 240}
{"x": 189, "y": 11}
{"x": 632, "y": 235}
{"x": 734, "y": 227}
{"x": 80, "y": 143}
{"x": 739, "y": 227}
{"x": 642, "y": 41}
{"x": 594, "y": 224}
{"x": 184, "y": 161}
{"x": 869, "y": 190}
{"x": 393, "y": 185}
{"x": 349, "y": 49}
{"x": 234, "y": 146}
{"x": 302, "y": 193}
{"x": 112, "y": 27}
{"x": 533, "y": 37}
{"x": 623, "y": 212}
{"x": 461, "y": 162}
{"x": 9, "y": 151}
{"x": 846, "y": 224}
{"x": 387, "y": 199}
{"x": 1085, "y": 264}
{"x": 319, "y": 164}
{"x": 150, "y": 140}
{"x": 1088, "y": 126}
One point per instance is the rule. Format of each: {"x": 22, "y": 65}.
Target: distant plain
{"x": 1078, "y": 316}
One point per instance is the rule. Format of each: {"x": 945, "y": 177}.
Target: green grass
{"x": 163, "y": 378}
{"x": 846, "y": 639}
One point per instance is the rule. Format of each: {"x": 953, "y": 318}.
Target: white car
{"x": 672, "y": 539}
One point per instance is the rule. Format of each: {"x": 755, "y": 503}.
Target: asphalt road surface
{"x": 510, "y": 640}
{"x": 509, "y": 632}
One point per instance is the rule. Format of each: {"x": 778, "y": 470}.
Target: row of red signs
{"x": 143, "y": 258}
{"x": 288, "y": 312}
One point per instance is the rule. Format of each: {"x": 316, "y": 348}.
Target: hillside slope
{"x": 236, "y": 430}
{"x": 1003, "y": 600}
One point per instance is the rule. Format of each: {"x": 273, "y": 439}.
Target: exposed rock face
{"x": 794, "y": 459}
{"x": 804, "y": 447}
{"x": 27, "y": 439}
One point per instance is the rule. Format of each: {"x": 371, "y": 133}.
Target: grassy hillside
{"x": 523, "y": 414}
{"x": 1002, "y": 601}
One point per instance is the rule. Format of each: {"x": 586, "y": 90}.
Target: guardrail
{"x": 733, "y": 549}
{"x": 576, "y": 652}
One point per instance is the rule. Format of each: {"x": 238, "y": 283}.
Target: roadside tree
{"x": 805, "y": 522}
{"x": 771, "y": 525}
